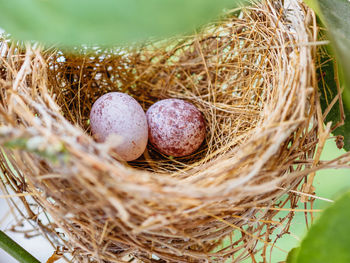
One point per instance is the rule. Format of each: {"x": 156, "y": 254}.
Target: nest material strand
{"x": 253, "y": 77}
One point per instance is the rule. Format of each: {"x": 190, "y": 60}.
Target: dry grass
{"x": 253, "y": 77}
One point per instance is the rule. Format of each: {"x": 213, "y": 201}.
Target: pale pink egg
{"x": 175, "y": 127}
{"x": 119, "y": 114}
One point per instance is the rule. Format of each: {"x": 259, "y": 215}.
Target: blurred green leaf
{"x": 292, "y": 255}
{"x": 335, "y": 14}
{"x": 104, "y": 22}
{"x": 328, "y": 239}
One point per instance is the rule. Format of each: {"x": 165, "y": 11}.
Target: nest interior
{"x": 251, "y": 74}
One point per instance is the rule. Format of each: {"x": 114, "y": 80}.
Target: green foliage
{"x": 104, "y": 22}
{"x": 328, "y": 91}
{"x": 335, "y": 15}
{"x": 328, "y": 239}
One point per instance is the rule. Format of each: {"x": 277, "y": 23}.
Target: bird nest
{"x": 251, "y": 74}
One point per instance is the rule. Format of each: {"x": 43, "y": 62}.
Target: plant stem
{"x": 15, "y": 250}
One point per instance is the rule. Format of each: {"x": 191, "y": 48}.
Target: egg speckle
{"x": 119, "y": 114}
{"x": 175, "y": 127}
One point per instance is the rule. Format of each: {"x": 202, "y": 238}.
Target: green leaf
{"x": 328, "y": 91}
{"x": 328, "y": 239}
{"x": 15, "y": 250}
{"x": 104, "y": 22}
{"x": 314, "y": 5}
{"x": 335, "y": 14}
{"x": 292, "y": 255}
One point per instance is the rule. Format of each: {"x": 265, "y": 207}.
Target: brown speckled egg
{"x": 118, "y": 113}
{"x": 175, "y": 127}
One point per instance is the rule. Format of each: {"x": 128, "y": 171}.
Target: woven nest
{"x": 252, "y": 75}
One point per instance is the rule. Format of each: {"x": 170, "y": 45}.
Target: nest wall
{"x": 251, "y": 74}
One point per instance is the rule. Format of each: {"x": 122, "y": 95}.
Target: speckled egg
{"x": 175, "y": 127}
{"x": 118, "y": 113}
